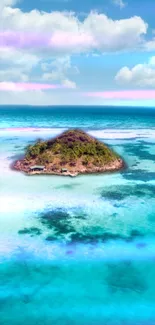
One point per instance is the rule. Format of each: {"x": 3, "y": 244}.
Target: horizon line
{"x": 80, "y": 105}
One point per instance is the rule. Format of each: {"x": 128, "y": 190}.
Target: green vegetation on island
{"x": 74, "y": 152}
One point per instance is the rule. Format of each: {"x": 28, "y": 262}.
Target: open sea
{"x": 78, "y": 251}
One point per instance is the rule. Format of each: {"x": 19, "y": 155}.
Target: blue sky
{"x": 78, "y": 47}
{"x": 142, "y": 8}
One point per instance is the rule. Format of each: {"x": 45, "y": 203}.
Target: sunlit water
{"x": 78, "y": 250}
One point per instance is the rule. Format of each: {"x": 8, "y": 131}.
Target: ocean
{"x": 78, "y": 251}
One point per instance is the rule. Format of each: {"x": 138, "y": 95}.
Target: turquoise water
{"x": 78, "y": 250}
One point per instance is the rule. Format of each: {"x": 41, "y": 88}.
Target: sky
{"x": 85, "y": 52}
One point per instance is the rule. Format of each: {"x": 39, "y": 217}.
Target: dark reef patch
{"x": 121, "y": 192}
{"x": 125, "y": 277}
{"x": 72, "y": 227}
{"x": 134, "y": 234}
{"x": 33, "y": 231}
{"x": 140, "y": 150}
{"x": 87, "y": 238}
{"x": 138, "y": 175}
{"x": 59, "y": 216}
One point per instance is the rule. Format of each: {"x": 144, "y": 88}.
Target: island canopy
{"x": 71, "y": 153}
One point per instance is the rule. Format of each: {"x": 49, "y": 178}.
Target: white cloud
{"x": 141, "y": 75}
{"x": 30, "y": 40}
{"x": 58, "y": 70}
{"x": 13, "y": 75}
{"x": 16, "y": 65}
{"x": 119, "y": 3}
{"x": 43, "y": 97}
{"x": 28, "y": 98}
{"x": 68, "y": 83}
{"x": 7, "y": 3}
{"x": 63, "y": 32}
{"x": 18, "y": 57}
{"x": 152, "y": 61}
{"x": 150, "y": 45}
{"x": 114, "y": 36}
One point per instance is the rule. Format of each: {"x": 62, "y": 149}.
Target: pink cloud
{"x": 18, "y": 86}
{"x": 55, "y": 40}
{"x": 124, "y": 95}
{"x": 70, "y": 39}
{"x": 23, "y": 40}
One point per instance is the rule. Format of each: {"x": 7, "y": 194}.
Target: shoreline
{"x": 98, "y": 170}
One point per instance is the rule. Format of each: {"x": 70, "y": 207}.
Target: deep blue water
{"x": 80, "y": 116}
{"x": 78, "y": 251}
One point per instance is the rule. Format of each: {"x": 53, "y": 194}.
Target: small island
{"x": 71, "y": 153}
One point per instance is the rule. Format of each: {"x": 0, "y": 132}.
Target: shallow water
{"x": 78, "y": 250}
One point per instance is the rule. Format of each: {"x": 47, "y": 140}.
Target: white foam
{"x": 30, "y": 131}
{"x": 123, "y": 133}
{"x": 102, "y": 134}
